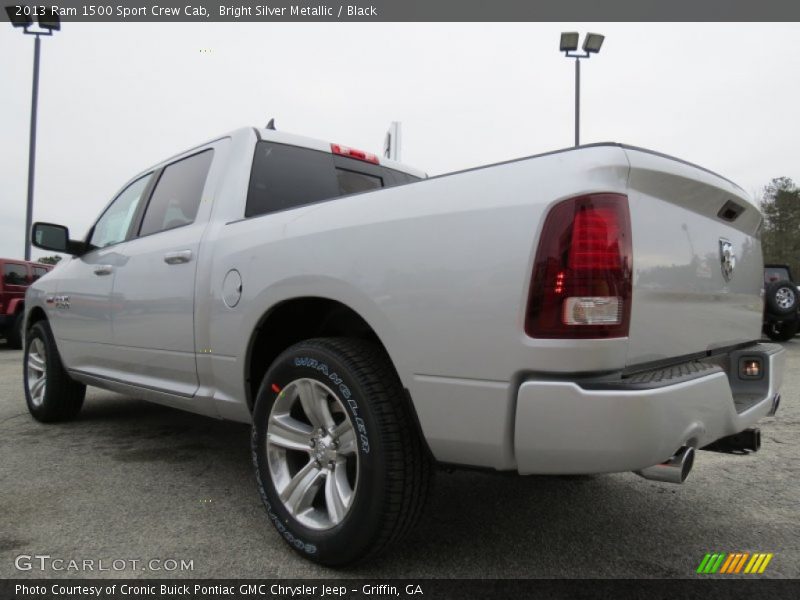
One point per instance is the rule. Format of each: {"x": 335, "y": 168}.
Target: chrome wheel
{"x": 311, "y": 453}
{"x": 785, "y": 297}
{"x": 37, "y": 371}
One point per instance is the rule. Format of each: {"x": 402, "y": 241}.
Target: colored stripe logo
{"x": 734, "y": 563}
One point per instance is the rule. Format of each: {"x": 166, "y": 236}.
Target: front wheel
{"x": 50, "y": 393}
{"x": 340, "y": 466}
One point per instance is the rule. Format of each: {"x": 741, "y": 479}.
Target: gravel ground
{"x": 135, "y": 481}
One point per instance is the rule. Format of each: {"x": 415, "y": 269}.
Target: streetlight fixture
{"x": 49, "y": 21}
{"x": 569, "y": 46}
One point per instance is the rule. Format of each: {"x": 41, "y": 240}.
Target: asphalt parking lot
{"x": 134, "y": 481}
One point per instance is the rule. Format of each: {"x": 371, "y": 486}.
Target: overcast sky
{"x": 115, "y": 98}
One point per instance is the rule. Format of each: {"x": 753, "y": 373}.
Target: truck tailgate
{"x": 687, "y": 298}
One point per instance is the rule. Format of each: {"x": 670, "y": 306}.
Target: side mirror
{"x": 49, "y": 236}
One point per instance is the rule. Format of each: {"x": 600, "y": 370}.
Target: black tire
{"x": 62, "y": 397}
{"x": 15, "y": 333}
{"x": 394, "y": 468}
{"x": 781, "y": 298}
{"x": 783, "y": 331}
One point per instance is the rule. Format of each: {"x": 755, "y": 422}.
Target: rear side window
{"x": 38, "y": 272}
{"x": 15, "y": 274}
{"x": 177, "y": 194}
{"x": 287, "y": 176}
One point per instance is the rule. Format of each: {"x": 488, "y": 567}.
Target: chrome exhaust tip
{"x": 675, "y": 470}
{"x": 755, "y": 439}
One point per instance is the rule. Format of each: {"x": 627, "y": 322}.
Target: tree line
{"x": 780, "y": 232}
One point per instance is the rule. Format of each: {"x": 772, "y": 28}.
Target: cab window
{"x": 177, "y": 194}
{"x": 285, "y": 177}
{"x": 352, "y": 182}
{"x": 113, "y": 226}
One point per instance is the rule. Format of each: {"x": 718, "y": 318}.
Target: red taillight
{"x": 353, "y": 153}
{"x": 581, "y": 285}
{"x": 594, "y": 235}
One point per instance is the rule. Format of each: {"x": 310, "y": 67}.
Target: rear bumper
{"x": 579, "y": 427}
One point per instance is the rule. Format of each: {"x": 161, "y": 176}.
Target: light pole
{"x": 569, "y": 46}
{"x": 48, "y": 23}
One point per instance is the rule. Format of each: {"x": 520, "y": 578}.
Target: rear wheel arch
{"x": 304, "y": 318}
{"x": 295, "y": 320}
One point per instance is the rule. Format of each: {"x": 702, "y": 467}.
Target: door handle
{"x": 177, "y": 258}
{"x": 103, "y": 270}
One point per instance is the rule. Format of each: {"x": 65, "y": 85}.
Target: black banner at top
{"x": 409, "y": 10}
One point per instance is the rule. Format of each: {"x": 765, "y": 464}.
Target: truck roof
{"x": 280, "y": 137}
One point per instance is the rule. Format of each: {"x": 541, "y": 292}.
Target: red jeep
{"x": 15, "y": 277}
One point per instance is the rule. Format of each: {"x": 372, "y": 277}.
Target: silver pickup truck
{"x": 591, "y": 310}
